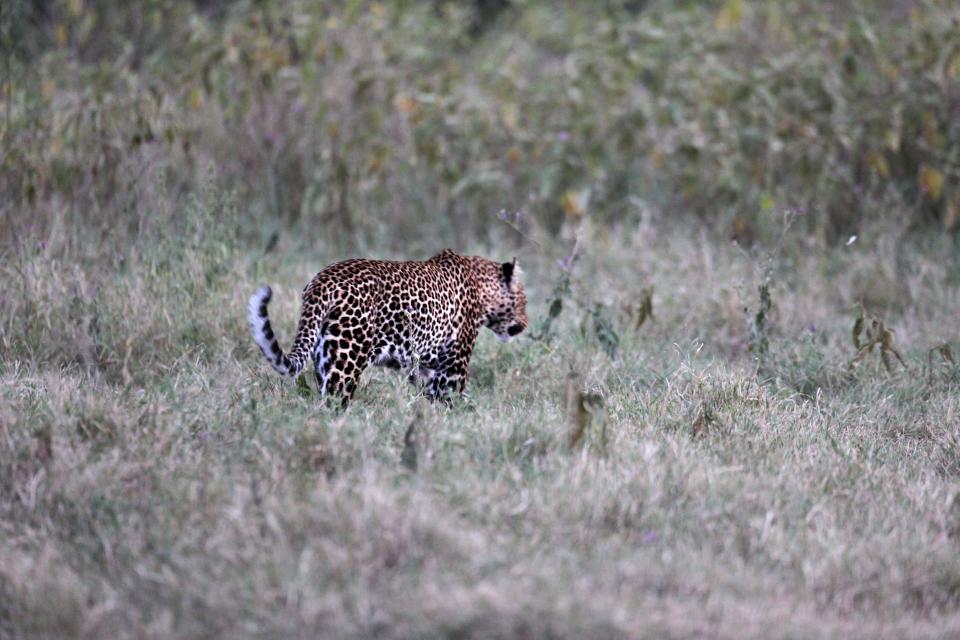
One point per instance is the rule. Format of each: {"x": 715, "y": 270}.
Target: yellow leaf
{"x": 931, "y": 181}
{"x": 47, "y": 88}
{"x": 405, "y": 104}
{"x": 890, "y": 71}
{"x": 75, "y": 7}
{"x": 196, "y": 99}
{"x": 878, "y": 163}
{"x": 61, "y": 35}
{"x": 730, "y": 15}
{"x": 766, "y": 202}
{"x": 892, "y": 138}
{"x": 378, "y": 10}
{"x": 575, "y": 202}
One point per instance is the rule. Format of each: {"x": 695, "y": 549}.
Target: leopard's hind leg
{"x": 341, "y": 355}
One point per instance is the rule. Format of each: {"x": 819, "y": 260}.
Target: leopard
{"x": 423, "y": 317}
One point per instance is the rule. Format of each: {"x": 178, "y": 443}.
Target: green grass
{"x": 171, "y": 490}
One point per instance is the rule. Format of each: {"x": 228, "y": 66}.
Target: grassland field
{"x": 694, "y": 438}
{"x": 197, "y": 494}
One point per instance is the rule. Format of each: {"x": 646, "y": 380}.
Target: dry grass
{"x": 169, "y": 484}
{"x": 720, "y": 469}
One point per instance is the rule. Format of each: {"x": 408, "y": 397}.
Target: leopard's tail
{"x": 285, "y": 364}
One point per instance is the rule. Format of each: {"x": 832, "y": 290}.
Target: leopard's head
{"x": 503, "y": 299}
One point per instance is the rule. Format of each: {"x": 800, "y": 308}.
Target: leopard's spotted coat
{"x": 394, "y": 314}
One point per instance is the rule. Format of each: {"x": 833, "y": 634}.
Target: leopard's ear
{"x": 508, "y": 270}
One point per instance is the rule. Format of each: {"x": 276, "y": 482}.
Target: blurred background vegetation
{"x": 381, "y": 124}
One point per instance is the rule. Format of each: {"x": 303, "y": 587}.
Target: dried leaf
{"x": 702, "y": 422}
{"x": 406, "y": 104}
{"x": 730, "y": 15}
{"x": 408, "y": 457}
{"x": 878, "y": 163}
{"x": 303, "y": 388}
{"x": 759, "y": 343}
{"x": 897, "y": 353}
{"x": 886, "y": 339}
{"x": 886, "y": 347}
{"x": 645, "y": 310}
{"x": 876, "y": 335}
{"x": 577, "y": 416}
{"x": 861, "y": 354}
{"x": 885, "y": 357}
{"x": 947, "y": 353}
{"x": 575, "y": 202}
{"x": 931, "y": 181}
{"x": 603, "y": 328}
{"x": 61, "y": 35}
{"x": 196, "y": 99}
{"x": 857, "y": 330}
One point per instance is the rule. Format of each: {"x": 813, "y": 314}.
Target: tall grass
{"x": 186, "y": 490}
{"x": 364, "y": 119}
{"x": 686, "y": 443}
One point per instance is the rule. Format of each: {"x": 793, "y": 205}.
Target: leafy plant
{"x": 876, "y": 334}
{"x": 561, "y": 291}
{"x": 603, "y": 329}
{"x": 757, "y": 339}
{"x": 637, "y": 313}
{"x": 584, "y": 414}
{"x": 946, "y": 355}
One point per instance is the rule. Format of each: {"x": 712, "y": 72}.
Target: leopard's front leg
{"x": 450, "y": 372}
